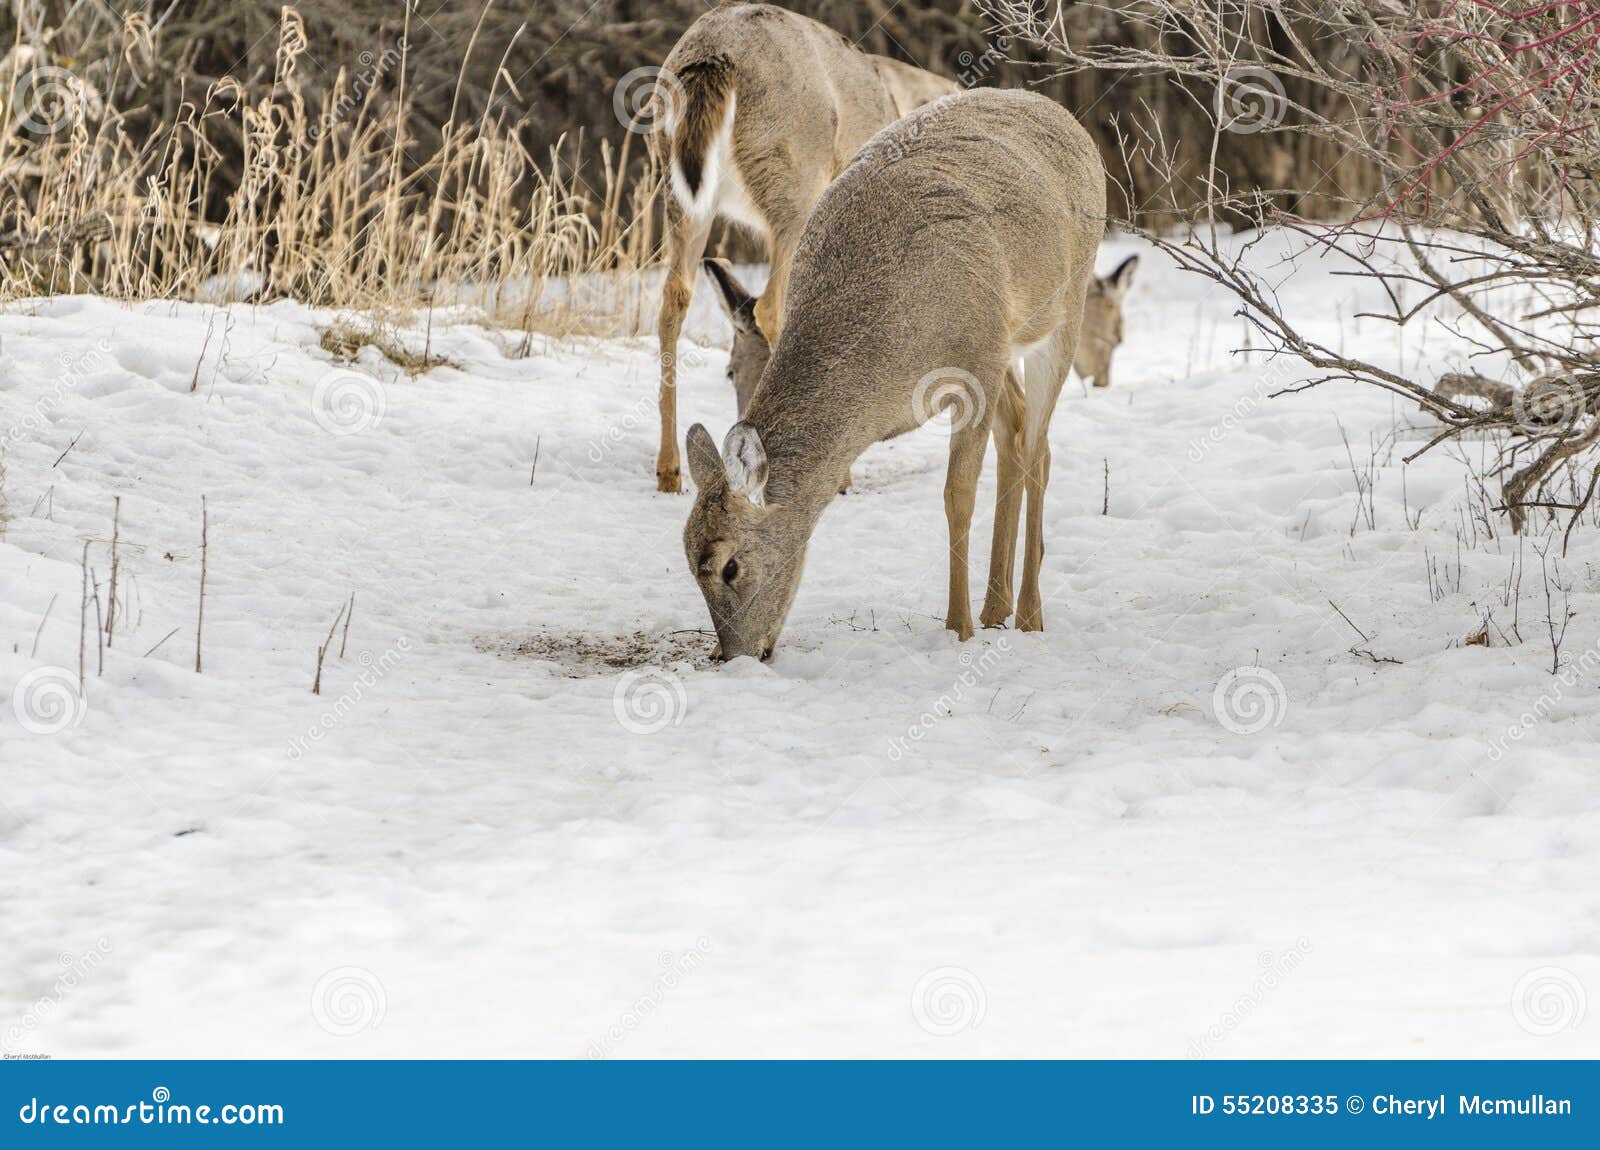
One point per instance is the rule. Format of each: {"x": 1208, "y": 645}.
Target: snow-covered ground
{"x": 1199, "y": 815}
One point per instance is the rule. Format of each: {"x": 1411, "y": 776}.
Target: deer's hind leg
{"x": 968, "y": 440}
{"x": 1044, "y": 370}
{"x": 1009, "y": 424}
{"x": 686, "y": 243}
{"x": 782, "y": 191}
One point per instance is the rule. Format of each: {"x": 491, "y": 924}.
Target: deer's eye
{"x": 730, "y": 570}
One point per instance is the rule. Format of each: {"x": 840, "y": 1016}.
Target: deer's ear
{"x": 1120, "y": 280}
{"x": 744, "y": 458}
{"x": 704, "y": 463}
{"x": 739, "y": 304}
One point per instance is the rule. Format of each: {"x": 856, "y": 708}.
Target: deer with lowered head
{"x": 759, "y": 109}
{"x": 960, "y": 239}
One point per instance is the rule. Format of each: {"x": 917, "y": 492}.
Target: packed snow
{"x": 1287, "y": 774}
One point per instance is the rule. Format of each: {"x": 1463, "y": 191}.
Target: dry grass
{"x": 345, "y": 339}
{"x": 336, "y": 209}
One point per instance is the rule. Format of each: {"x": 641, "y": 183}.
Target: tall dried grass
{"x": 336, "y": 208}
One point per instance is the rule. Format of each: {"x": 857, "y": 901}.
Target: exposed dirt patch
{"x": 581, "y": 654}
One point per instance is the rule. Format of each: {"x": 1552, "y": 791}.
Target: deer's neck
{"x": 812, "y": 434}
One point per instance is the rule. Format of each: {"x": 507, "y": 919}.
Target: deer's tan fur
{"x": 962, "y": 237}
{"x": 763, "y": 109}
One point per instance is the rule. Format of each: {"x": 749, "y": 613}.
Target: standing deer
{"x": 962, "y": 237}
{"x": 759, "y": 109}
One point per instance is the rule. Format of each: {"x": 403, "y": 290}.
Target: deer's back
{"x": 964, "y": 225}
{"x": 802, "y": 88}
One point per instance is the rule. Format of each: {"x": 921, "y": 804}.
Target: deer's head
{"x": 750, "y": 353}
{"x": 745, "y": 551}
{"x": 1102, "y": 323}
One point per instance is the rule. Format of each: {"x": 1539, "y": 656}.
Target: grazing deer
{"x": 962, "y": 237}
{"x": 759, "y": 109}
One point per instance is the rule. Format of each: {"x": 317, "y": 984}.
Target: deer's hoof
{"x": 962, "y": 627}
{"x": 996, "y": 615}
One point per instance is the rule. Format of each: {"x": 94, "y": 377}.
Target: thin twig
{"x": 34, "y": 650}
{"x": 200, "y": 614}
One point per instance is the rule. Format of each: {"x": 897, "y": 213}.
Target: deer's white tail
{"x": 701, "y": 128}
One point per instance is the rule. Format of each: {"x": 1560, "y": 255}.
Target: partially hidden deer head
{"x": 1101, "y": 334}
{"x": 748, "y": 358}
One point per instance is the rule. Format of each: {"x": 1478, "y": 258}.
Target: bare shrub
{"x": 1470, "y": 132}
